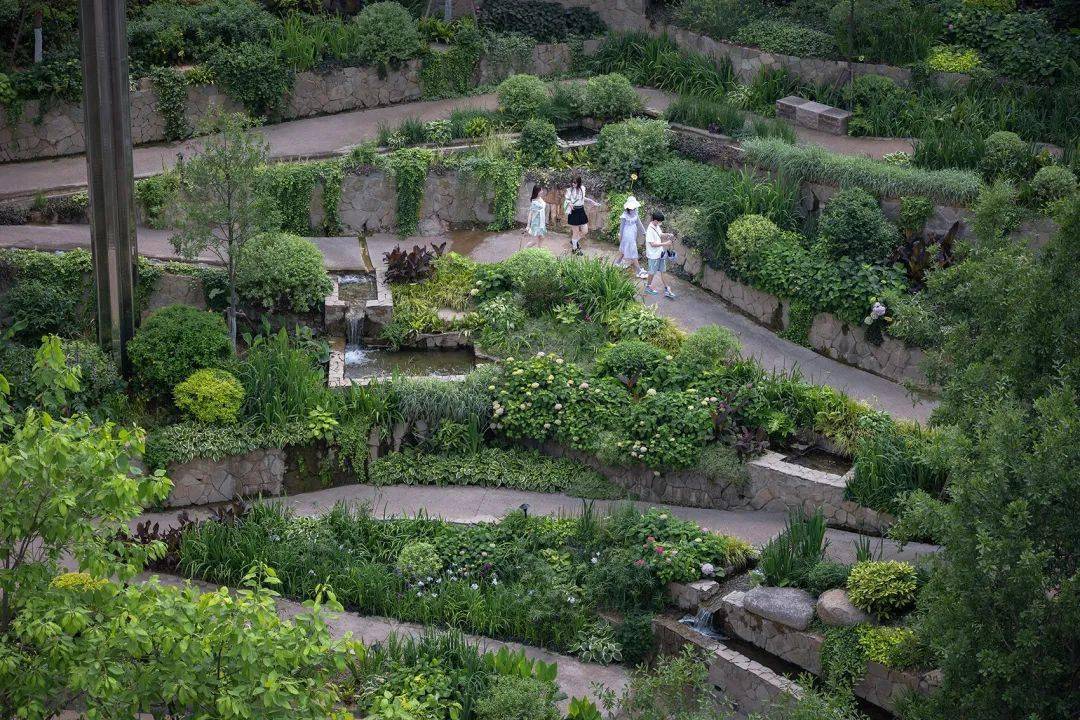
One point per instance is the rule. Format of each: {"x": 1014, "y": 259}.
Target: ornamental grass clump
{"x": 883, "y": 588}
{"x": 816, "y": 164}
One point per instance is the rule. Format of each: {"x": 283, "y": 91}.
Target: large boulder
{"x": 789, "y": 606}
{"x": 835, "y": 608}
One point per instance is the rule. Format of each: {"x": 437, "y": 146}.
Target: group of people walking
{"x": 631, "y": 230}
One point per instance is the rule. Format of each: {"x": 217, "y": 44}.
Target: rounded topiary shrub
{"x": 1052, "y": 183}
{"x": 708, "y": 347}
{"x": 611, "y": 97}
{"x": 522, "y": 97}
{"x": 883, "y": 588}
{"x": 528, "y": 262}
{"x": 176, "y": 341}
{"x": 626, "y": 148}
{"x": 210, "y": 396}
{"x": 746, "y": 236}
{"x": 629, "y": 360}
{"x": 386, "y": 33}
{"x": 853, "y": 226}
{"x": 281, "y": 270}
{"x": 419, "y": 560}
{"x": 1007, "y": 156}
{"x": 539, "y": 143}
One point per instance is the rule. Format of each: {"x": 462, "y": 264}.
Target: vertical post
{"x": 106, "y": 111}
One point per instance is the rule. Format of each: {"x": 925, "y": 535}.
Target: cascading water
{"x": 354, "y": 326}
{"x": 702, "y": 623}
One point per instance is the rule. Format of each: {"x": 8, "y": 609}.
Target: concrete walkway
{"x": 340, "y": 254}
{"x": 575, "y": 676}
{"x": 331, "y": 135}
{"x": 694, "y": 308}
{"x": 470, "y": 504}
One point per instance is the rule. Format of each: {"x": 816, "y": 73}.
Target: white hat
{"x": 631, "y": 203}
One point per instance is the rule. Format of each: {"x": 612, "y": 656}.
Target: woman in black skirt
{"x": 574, "y": 206}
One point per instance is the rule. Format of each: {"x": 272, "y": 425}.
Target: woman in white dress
{"x": 536, "y": 223}
{"x": 629, "y": 226}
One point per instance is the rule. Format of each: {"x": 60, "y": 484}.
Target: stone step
{"x": 813, "y": 115}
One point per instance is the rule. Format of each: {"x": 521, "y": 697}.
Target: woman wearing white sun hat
{"x": 629, "y": 226}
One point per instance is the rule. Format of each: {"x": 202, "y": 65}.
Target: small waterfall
{"x": 354, "y": 326}
{"x": 702, "y": 623}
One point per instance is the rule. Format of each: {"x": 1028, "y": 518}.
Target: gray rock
{"x": 835, "y": 608}
{"x": 789, "y": 606}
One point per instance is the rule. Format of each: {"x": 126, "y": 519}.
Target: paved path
{"x": 695, "y": 308}
{"x": 340, "y": 254}
{"x": 331, "y": 135}
{"x": 470, "y": 504}
{"x": 575, "y": 676}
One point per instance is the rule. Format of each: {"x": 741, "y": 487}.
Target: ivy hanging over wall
{"x": 409, "y": 168}
{"x": 499, "y": 175}
{"x": 451, "y": 73}
{"x": 170, "y": 87}
{"x": 800, "y": 318}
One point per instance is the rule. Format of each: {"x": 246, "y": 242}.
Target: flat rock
{"x": 789, "y": 606}
{"x": 835, "y": 608}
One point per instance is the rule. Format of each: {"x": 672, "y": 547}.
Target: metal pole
{"x": 107, "y": 120}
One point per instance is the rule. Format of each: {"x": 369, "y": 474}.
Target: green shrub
{"x": 747, "y": 236}
{"x": 518, "y": 698}
{"x": 43, "y": 308}
{"x": 827, "y": 575}
{"x": 539, "y": 143}
{"x": 281, "y": 270}
{"x": 386, "y": 33}
{"x": 1007, "y": 156}
{"x": 522, "y": 97}
{"x": 854, "y": 226}
{"x": 778, "y": 36}
{"x": 544, "y": 20}
{"x": 166, "y": 34}
{"x": 681, "y": 181}
{"x": 1052, "y": 183}
{"x": 210, "y": 396}
{"x": 920, "y": 518}
{"x": 895, "y": 647}
{"x": 706, "y": 348}
{"x": 176, "y": 341}
{"x": 631, "y": 146}
{"x": 882, "y": 587}
{"x": 253, "y": 75}
{"x": 635, "y": 636}
{"x": 630, "y": 360}
{"x": 816, "y": 164}
{"x": 610, "y": 97}
{"x": 1021, "y": 45}
{"x": 419, "y": 560}
{"x": 283, "y": 381}
{"x": 98, "y": 375}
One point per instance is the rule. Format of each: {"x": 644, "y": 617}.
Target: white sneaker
{"x": 668, "y": 294}
{"x": 642, "y": 274}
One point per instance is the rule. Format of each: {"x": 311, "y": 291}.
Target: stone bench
{"x": 813, "y": 115}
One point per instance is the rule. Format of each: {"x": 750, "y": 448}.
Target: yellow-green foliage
{"x": 889, "y": 646}
{"x": 883, "y": 588}
{"x": 949, "y": 58}
{"x": 210, "y": 396}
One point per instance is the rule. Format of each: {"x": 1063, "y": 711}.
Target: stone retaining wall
{"x": 369, "y": 204}
{"x": 202, "y": 481}
{"x": 57, "y": 128}
{"x": 880, "y": 685}
{"x": 829, "y": 335}
{"x": 774, "y": 485}
{"x": 751, "y": 686}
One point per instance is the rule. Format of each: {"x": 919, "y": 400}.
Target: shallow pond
{"x": 356, "y": 288}
{"x": 818, "y": 459}
{"x": 362, "y": 362}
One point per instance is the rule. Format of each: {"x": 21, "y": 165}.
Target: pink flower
{"x": 639, "y": 562}
{"x": 659, "y": 550}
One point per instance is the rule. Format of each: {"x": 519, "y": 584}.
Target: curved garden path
{"x": 331, "y": 135}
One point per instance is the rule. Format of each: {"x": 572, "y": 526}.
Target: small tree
{"x": 221, "y": 207}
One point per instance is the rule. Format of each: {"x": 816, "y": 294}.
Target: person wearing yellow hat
{"x": 630, "y": 226}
